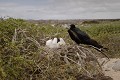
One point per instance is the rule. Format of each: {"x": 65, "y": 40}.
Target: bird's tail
{"x": 105, "y": 49}
{"x": 102, "y": 50}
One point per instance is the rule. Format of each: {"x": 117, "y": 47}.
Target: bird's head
{"x": 72, "y": 26}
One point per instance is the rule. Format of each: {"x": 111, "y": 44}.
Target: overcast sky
{"x": 60, "y": 9}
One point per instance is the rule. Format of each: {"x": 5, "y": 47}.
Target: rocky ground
{"x": 111, "y": 68}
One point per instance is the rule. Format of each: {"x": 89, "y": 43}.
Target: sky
{"x": 60, "y": 9}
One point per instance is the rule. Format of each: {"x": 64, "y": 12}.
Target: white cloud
{"x": 62, "y": 9}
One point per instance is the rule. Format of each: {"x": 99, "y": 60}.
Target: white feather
{"x": 62, "y": 42}
{"x": 53, "y": 43}
{"x": 49, "y": 43}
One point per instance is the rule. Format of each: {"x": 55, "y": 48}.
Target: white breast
{"x": 53, "y": 43}
{"x": 62, "y": 42}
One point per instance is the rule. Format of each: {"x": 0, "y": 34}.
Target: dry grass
{"x": 63, "y": 63}
{"x": 24, "y": 56}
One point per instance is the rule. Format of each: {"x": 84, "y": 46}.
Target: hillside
{"x": 23, "y": 52}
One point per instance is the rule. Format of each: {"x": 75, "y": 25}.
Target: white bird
{"x": 55, "y": 43}
{"x": 61, "y": 42}
{"x": 48, "y": 43}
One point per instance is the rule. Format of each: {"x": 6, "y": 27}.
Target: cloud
{"x": 60, "y": 9}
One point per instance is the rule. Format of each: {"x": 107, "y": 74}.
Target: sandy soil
{"x": 110, "y": 71}
{"x": 113, "y": 74}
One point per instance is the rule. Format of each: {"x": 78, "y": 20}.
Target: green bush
{"x": 22, "y": 42}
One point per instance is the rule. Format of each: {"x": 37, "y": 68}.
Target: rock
{"x": 112, "y": 65}
{"x": 116, "y": 66}
{"x": 112, "y": 68}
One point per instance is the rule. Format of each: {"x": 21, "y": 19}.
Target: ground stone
{"x": 116, "y": 66}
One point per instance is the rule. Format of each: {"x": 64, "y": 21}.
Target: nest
{"x": 84, "y": 59}
{"x": 65, "y": 62}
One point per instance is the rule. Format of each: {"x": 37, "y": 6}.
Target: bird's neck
{"x": 72, "y": 28}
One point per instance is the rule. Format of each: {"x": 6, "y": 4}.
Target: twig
{"x": 14, "y": 36}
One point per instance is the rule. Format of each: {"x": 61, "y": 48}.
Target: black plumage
{"x": 80, "y": 37}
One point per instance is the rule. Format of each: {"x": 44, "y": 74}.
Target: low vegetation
{"x": 23, "y": 55}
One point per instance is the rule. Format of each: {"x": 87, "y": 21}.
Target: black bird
{"x": 80, "y": 37}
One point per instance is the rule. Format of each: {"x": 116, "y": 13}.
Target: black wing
{"x": 82, "y": 35}
{"x": 74, "y": 36}
{"x": 85, "y": 39}
{"x": 78, "y": 36}
{"x": 93, "y": 43}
